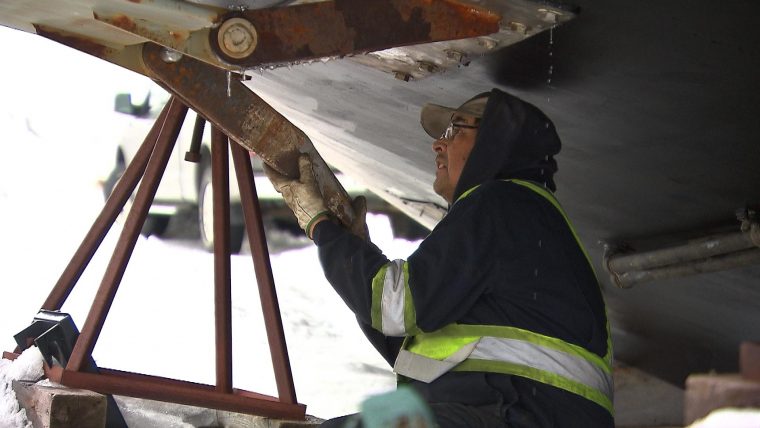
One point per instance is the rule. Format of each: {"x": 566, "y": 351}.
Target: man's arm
{"x": 436, "y": 286}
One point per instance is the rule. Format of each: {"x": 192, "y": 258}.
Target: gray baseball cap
{"x": 436, "y": 118}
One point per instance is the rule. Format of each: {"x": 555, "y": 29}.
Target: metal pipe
{"x": 220, "y": 185}
{"x": 714, "y": 264}
{"x": 163, "y": 389}
{"x": 128, "y": 238}
{"x": 194, "y": 153}
{"x": 263, "y": 268}
{"x": 697, "y": 250}
{"x": 102, "y": 224}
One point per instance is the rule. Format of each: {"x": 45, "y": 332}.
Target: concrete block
{"x": 749, "y": 360}
{"x": 708, "y": 392}
{"x": 643, "y": 400}
{"x": 61, "y": 407}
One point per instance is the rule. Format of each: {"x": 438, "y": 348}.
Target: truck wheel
{"x": 206, "y": 217}
{"x": 155, "y": 224}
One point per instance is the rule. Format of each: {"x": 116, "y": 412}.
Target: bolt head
{"x": 237, "y": 38}
{"x": 170, "y": 56}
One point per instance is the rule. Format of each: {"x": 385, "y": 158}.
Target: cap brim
{"x": 435, "y": 119}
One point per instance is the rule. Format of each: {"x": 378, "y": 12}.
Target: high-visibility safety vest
{"x": 487, "y": 348}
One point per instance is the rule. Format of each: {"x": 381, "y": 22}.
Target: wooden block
{"x": 705, "y": 393}
{"x": 61, "y": 407}
{"x": 231, "y": 419}
{"x": 749, "y": 360}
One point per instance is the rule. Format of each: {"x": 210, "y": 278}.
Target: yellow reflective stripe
{"x": 466, "y": 193}
{"x": 451, "y": 338}
{"x": 439, "y": 344}
{"x": 410, "y": 314}
{"x": 376, "y": 312}
{"x": 379, "y": 282}
{"x": 548, "y": 195}
{"x": 539, "y": 376}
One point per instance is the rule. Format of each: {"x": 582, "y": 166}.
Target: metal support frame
{"x": 149, "y": 165}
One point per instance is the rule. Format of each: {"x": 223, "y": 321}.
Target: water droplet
{"x": 534, "y": 390}
{"x": 539, "y": 243}
{"x": 535, "y": 272}
{"x": 547, "y": 125}
{"x": 534, "y": 296}
{"x": 229, "y": 84}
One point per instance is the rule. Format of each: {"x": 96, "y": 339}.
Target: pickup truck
{"x": 187, "y": 185}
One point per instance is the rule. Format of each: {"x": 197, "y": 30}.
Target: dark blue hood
{"x": 515, "y": 140}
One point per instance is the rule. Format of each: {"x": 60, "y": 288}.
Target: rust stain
{"x": 124, "y": 22}
{"x": 348, "y": 27}
{"x": 78, "y": 43}
{"x": 179, "y": 36}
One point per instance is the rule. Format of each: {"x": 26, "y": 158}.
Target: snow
{"x": 28, "y": 366}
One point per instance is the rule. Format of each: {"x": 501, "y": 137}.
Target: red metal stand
{"x": 149, "y": 165}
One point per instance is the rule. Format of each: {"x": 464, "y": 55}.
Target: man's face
{"x": 452, "y": 154}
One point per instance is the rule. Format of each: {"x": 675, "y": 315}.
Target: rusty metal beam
{"x": 126, "y": 243}
{"x": 263, "y": 269}
{"x": 248, "y": 120}
{"x": 113, "y": 207}
{"x": 347, "y": 27}
{"x": 220, "y": 185}
{"x": 158, "y": 388}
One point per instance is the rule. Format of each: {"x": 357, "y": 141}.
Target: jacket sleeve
{"x": 436, "y": 286}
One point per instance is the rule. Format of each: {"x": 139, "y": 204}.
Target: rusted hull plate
{"x": 344, "y": 27}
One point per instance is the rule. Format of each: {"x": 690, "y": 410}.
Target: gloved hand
{"x": 302, "y": 195}
{"x": 359, "y": 225}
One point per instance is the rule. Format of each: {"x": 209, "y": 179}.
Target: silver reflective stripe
{"x": 392, "y": 306}
{"x": 546, "y": 359}
{"x": 426, "y": 369}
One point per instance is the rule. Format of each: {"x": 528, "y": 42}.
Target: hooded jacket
{"x": 503, "y": 255}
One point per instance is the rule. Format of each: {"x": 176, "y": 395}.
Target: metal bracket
{"x": 54, "y": 333}
{"x": 248, "y": 120}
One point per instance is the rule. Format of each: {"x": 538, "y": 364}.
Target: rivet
{"x": 518, "y": 27}
{"x": 549, "y": 15}
{"x": 487, "y": 43}
{"x": 428, "y": 67}
{"x": 402, "y": 75}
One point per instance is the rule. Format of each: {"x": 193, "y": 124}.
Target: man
{"x": 502, "y": 313}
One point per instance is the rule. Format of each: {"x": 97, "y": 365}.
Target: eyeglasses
{"x": 453, "y": 129}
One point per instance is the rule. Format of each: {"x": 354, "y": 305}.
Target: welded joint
{"x": 610, "y": 252}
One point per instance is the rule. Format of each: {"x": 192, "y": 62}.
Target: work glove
{"x": 302, "y": 195}
{"x": 359, "y": 225}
